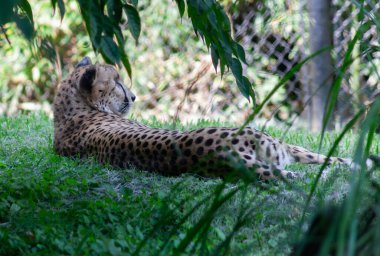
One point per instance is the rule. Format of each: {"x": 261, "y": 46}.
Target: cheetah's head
{"x": 102, "y": 88}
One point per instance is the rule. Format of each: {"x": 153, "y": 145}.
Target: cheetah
{"x": 89, "y": 110}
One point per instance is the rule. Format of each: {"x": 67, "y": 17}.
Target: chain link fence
{"x": 276, "y": 37}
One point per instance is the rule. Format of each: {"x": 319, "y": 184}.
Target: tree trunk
{"x": 321, "y": 65}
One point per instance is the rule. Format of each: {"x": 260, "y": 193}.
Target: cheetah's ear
{"x": 84, "y": 62}
{"x": 87, "y": 79}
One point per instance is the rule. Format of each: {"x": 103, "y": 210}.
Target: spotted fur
{"x": 88, "y": 121}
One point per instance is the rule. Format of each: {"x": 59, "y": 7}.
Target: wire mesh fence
{"x": 276, "y": 35}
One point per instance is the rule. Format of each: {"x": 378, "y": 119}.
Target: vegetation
{"x": 163, "y": 66}
{"x": 56, "y": 205}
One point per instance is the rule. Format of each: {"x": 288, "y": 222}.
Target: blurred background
{"x": 173, "y": 74}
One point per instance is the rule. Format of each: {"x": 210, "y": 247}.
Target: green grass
{"x": 55, "y": 205}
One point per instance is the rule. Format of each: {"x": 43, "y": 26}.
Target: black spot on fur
{"x": 189, "y": 142}
{"x": 224, "y": 135}
{"x": 211, "y": 131}
{"x": 200, "y": 130}
{"x": 209, "y": 142}
{"x": 187, "y": 152}
{"x": 268, "y": 153}
{"x": 198, "y": 140}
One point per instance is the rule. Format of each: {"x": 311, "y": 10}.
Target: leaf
{"x": 181, "y": 7}
{"x": 243, "y": 82}
{"x": 134, "y": 2}
{"x": 222, "y": 68}
{"x": 212, "y": 25}
{"x": 126, "y": 63}
{"x": 123, "y": 55}
{"x": 25, "y": 6}
{"x": 61, "y": 7}
{"x": 241, "y": 53}
{"x": 91, "y": 23}
{"x": 236, "y": 68}
{"x": 53, "y": 4}
{"x": 222, "y": 18}
{"x": 246, "y": 88}
{"x": 215, "y": 58}
{"x": 46, "y": 47}
{"x": 6, "y": 11}
{"x": 109, "y": 50}
{"x": 115, "y": 10}
{"x": 24, "y": 24}
{"x": 134, "y": 22}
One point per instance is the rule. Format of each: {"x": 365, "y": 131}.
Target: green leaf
{"x": 134, "y": 2}
{"x": 109, "y": 50}
{"x": 25, "y": 6}
{"x": 241, "y": 53}
{"x": 123, "y": 55}
{"x": 24, "y": 24}
{"x": 222, "y": 68}
{"x": 242, "y": 81}
{"x": 88, "y": 15}
{"x": 246, "y": 88}
{"x": 222, "y": 18}
{"x": 61, "y": 7}
{"x": 181, "y": 7}
{"x": 115, "y": 10}
{"x": 134, "y": 22}
{"x": 53, "y": 4}
{"x": 215, "y": 58}
{"x": 236, "y": 69}
{"x": 6, "y": 11}
{"x": 126, "y": 63}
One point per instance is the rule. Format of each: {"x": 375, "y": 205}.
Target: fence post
{"x": 321, "y": 66}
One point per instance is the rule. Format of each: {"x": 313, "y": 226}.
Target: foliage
{"x": 37, "y": 67}
{"x": 351, "y": 227}
{"x": 167, "y": 59}
{"x": 19, "y": 12}
{"x": 105, "y": 25}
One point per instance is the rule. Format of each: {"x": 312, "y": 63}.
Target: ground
{"x": 56, "y": 205}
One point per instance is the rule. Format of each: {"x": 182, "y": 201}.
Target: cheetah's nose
{"x": 133, "y": 97}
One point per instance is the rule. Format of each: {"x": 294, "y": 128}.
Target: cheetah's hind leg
{"x": 270, "y": 172}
